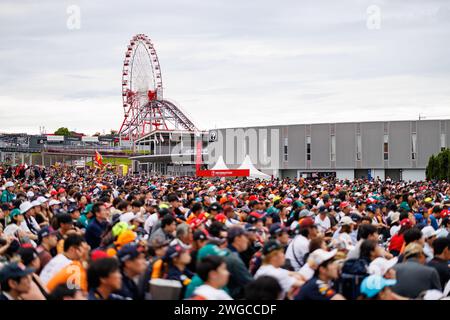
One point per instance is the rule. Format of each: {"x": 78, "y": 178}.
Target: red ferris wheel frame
{"x": 145, "y": 109}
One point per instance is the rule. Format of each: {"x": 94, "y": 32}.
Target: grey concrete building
{"x": 396, "y": 149}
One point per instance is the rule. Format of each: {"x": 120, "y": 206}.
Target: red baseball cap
{"x": 405, "y": 222}
{"x": 98, "y": 254}
{"x": 306, "y": 222}
{"x": 344, "y": 205}
{"x": 221, "y": 218}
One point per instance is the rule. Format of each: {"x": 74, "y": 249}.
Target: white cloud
{"x": 228, "y": 63}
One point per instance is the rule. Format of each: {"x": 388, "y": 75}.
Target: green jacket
{"x": 7, "y": 196}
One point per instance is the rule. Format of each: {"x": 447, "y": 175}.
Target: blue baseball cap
{"x": 129, "y": 252}
{"x": 373, "y": 284}
{"x": 12, "y": 270}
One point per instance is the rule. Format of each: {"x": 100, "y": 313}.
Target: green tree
{"x": 439, "y": 166}
{"x": 62, "y": 132}
{"x": 429, "y": 171}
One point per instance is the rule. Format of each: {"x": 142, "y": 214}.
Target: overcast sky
{"x": 227, "y": 62}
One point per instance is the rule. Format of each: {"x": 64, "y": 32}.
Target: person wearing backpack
{"x": 355, "y": 270}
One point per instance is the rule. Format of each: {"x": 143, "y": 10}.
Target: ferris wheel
{"x": 145, "y": 110}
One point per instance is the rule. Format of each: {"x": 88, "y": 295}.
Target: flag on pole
{"x": 156, "y": 139}
{"x": 98, "y": 159}
{"x": 161, "y": 138}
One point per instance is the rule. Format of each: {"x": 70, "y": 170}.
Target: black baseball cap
{"x": 250, "y": 228}
{"x": 12, "y": 270}
{"x": 271, "y": 246}
{"x": 276, "y": 229}
{"x": 199, "y": 235}
{"x": 234, "y": 232}
{"x": 129, "y": 252}
{"x": 323, "y": 209}
{"x": 45, "y": 232}
{"x": 215, "y": 207}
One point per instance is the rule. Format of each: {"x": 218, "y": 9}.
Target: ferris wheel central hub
{"x": 145, "y": 109}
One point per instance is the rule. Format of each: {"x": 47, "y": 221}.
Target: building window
{"x": 308, "y": 148}
{"x": 386, "y": 147}
{"x": 358, "y": 147}
{"x": 285, "y": 149}
{"x": 442, "y": 141}
{"x": 333, "y": 148}
{"x": 413, "y": 146}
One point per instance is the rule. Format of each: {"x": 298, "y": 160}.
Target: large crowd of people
{"x": 93, "y": 234}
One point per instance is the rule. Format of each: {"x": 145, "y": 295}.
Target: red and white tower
{"x": 145, "y": 109}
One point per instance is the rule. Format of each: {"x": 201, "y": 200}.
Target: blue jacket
{"x": 94, "y": 232}
{"x": 130, "y": 289}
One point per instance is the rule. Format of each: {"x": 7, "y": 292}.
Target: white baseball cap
{"x": 9, "y": 184}
{"x": 346, "y": 221}
{"x": 54, "y": 202}
{"x": 25, "y": 206}
{"x": 319, "y": 256}
{"x": 428, "y": 232}
{"x": 30, "y": 194}
{"x": 35, "y": 203}
{"x": 380, "y": 266}
{"x": 42, "y": 199}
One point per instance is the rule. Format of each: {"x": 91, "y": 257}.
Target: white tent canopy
{"x": 254, "y": 173}
{"x": 220, "y": 165}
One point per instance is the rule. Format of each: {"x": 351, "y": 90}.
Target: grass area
{"x": 137, "y": 151}
{"x": 114, "y": 161}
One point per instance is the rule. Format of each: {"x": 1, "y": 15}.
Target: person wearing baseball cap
{"x": 413, "y": 277}
{"x": 8, "y": 195}
{"x": 86, "y": 215}
{"x": 322, "y": 221}
{"x": 383, "y": 267}
{"x": 238, "y": 242}
{"x": 29, "y": 224}
{"x": 273, "y": 260}
{"x": 132, "y": 266}
{"x": 214, "y": 209}
{"x": 320, "y": 286}
{"x": 200, "y": 238}
{"x": 429, "y": 235}
{"x": 12, "y": 229}
{"x": 376, "y": 287}
{"x": 344, "y": 239}
{"x": 14, "y": 281}
{"x": 345, "y": 208}
{"x": 46, "y": 249}
{"x": 173, "y": 266}
{"x": 299, "y": 246}
{"x": 280, "y": 233}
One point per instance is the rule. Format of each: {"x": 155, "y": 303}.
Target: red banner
{"x": 223, "y": 173}
{"x": 216, "y": 173}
